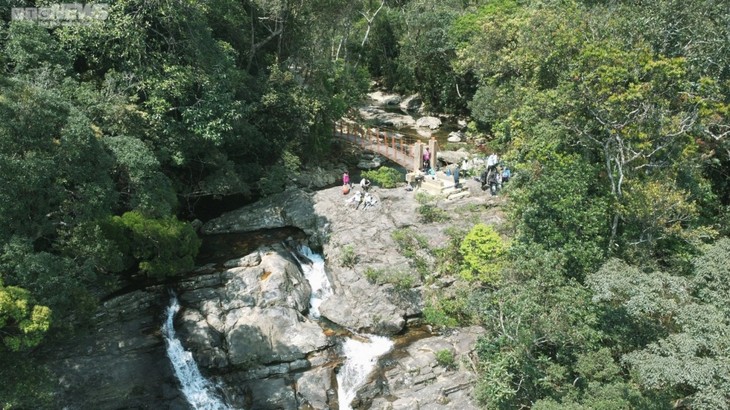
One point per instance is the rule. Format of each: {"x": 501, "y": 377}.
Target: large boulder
{"x": 386, "y": 118}
{"x": 411, "y": 103}
{"x": 431, "y": 123}
{"x": 293, "y": 207}
{"x": 380, "y": 98}
{"x": 418, "y": 381}
{"x": 256, "y": 317}
{"x": 453, "y": 157}
{"x": 118, "y": 361}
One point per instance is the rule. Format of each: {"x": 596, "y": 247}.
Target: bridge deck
{"x": 396, "y": 148}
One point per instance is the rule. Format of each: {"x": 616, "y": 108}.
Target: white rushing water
{"x": 317, "y": 278}
{"x": 199, "y": 392}
{"x": 361, "y": 359}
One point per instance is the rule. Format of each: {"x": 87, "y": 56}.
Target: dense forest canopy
{"x": 612, "y": 291}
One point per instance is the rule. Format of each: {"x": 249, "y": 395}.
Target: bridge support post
{"x": 417, "y": 156}
{"x": 433, "y": 146}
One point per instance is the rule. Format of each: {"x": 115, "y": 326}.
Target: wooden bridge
{"x": 403, "y": 150}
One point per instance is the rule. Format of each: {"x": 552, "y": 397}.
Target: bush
{"x": 428, "y": 211}
{"x": 384, "y": 177}
{"x": 401, "y": 280}
{"x": 483, "y": 251}
{"x": 432, "y": 213}
{"x": 374, "y": 275}
{"x": 348, "y": 258}
{"x": 414, "y": 247}
{"x": 445, "y": 358}
{"x": 161, "y": 247}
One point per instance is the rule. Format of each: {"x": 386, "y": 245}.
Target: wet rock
{"x": 418, "y": 381}
{"x": 411, "y": 103}
{"x": 428, "y": 122}
{"x": 456, "y": 136}
{"x": 383, "y": 99}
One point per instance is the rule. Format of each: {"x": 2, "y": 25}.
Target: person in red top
{"x": 426, "y": 159}
{"x": 345, "y": 183}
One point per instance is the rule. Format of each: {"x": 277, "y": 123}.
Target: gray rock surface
{"x": 419, "y": 381}
{"x": 411, "y": 103}
{"x": 428, "y": 122}
{"x": 246, "y": 323}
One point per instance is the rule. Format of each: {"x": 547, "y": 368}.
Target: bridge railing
{"x": 389, "y": 143}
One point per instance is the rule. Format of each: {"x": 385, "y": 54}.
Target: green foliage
{"x": 160, "y": 247}
{"x": 452, "y": 307}
{"x": 384, "y": 177}
{"x": 53, "y": 280}
{"x": 348, "y": 258}
{"x": 140, "y": 177}
{"x": 445, "y": 358}
{"x": 22, "y": 323}
{"x": 688, "y": 353}
{"x": 374, "y": 275}
{"x": 415, "y": 247}
{"x": 534, "y": 330}
{"x": 429, "y": 213}
{"x": 28, "y": 383}
{"x": 400, "y": 279}
{"x": 482, "y": 251}
{"x": 449, "y": 258}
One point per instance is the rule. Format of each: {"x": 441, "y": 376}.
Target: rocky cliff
{"x": 247, "y": 321}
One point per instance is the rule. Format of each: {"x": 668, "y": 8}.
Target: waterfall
{"x": 361, "y": 359}
{"x": 199, "y": 392}
{"x": 317, "y": 277}
{"x": 361, "y": 355}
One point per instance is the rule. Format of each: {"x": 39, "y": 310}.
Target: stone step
{"x": 458, "y": 195}
{"x": 452, "y": 190}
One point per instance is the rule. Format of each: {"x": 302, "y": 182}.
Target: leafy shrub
{"x": 451, "y": 308}
{"x": 384, "y": 177}
{"x": 438, "y": 317}
{"x": 161, "y": 247}
{"x": 400, "y": 279}
{"x": 348, "y": 258}
{"x": 449, "y": 258}
{"x": 428, "y": 211}
{"x": 445, "y": 358}
{"x": 423, "y": 197}
{"x": 374, "y": 275}
{"x": 483, "y": 251}
{"x": 432, "y": 213}
{"x": 414, "y": 247}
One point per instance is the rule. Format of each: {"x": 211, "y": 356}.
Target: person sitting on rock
{"x": 355, "y": 200}
{"x": 365, "y": 184}
{"x": 369, "y": 201}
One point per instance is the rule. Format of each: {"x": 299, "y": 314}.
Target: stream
{"x": 199, "y": 392}
{"x": 360, "y": 352}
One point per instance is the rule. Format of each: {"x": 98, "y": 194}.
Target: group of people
{"x": 365, "y": 199}
{"x": 362, "y": 197}
{"x": 495, "y": 175}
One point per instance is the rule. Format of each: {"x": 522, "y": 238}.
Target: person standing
{"x": 345, "y": 183}
{"x": 492, "y": 161}
{"x": 427, "y": 159}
